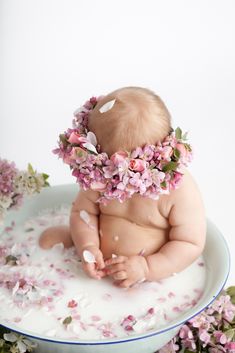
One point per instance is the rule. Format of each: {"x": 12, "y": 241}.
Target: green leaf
{"x": 169, "y": 166}
{"x": 188, "y": 147}
{"x": 11, "y": 260}
{"x": 184, "y": 137}
{"x": 63, "y": 139}
{"x": 152, "y": 166}
{"x": 178, "y": 133}
{"x": 233, "y": 299}
{"x": 231, "y": 291}
{"x": 67, "y": 320}
{"x": 163, "y": 184}
{"x": 176, "y": 153}
{"x": 45, "y": 176}
{"x": 29, "y": 230}
{"x": 188, "y": 351}
{"x": 30, "y": 169}
{"x": 230, "y": 334}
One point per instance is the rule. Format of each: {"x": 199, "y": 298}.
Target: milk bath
{"x": 47, "y": 292}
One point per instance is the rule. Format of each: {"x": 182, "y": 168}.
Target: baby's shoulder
{"x": 89, "y": 194}
{"x": 188, "y": 187}
{"x": 187, "y": 193}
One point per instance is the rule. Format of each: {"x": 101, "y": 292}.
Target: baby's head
{"x": 138, "y": 117}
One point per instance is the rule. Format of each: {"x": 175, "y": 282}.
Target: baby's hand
{"x": 127, "y": 271}
{"x": 94, "y": 270}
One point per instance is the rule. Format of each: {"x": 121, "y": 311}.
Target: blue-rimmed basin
{"x": 217, "y": 261}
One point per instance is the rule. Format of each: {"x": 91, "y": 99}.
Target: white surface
{"x": 55, "y": 54}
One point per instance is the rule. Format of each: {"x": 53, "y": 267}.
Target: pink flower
{"x": 176, "y": 180}
{"x": 109, "y": 171}
{"x": 118, "y": 157}
{"x": 204, "y": 337}
{"x": 180, "y": 147}
{"x": 137, "y": 165}
{"x": 185, "y": 332}
{"x": 78, "y": 154}
{"x": 72, "y": 304}
{"x": 170, "y": 347}
{"x": 75, "y": 137}
{"x": 230, "y": 346}
{"x": 166, "y": 152}
{"x": 220, "y": 337}
{"x": 138, "y": 152}
{"x": 148, "y": 152}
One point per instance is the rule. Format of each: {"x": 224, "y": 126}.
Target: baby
{"x": 140, "y": 238}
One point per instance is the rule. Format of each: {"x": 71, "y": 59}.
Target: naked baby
{"x": 139, "y": 214}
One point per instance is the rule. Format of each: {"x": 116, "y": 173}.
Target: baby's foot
{"x": 55, "y": 235}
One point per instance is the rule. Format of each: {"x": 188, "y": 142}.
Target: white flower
{"x": 10, "y": 337}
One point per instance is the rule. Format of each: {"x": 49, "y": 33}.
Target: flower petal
{"x": 10, "y": 337}
{"x": 88, "y": 257}
{"x": 107, "y": 106}
{"x": 92, "y": 138}
{"x": 85, "y": 216}
{"x": 90, "y": 147}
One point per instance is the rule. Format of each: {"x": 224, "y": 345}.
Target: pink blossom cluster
{"x": 211, "y": 331}
{"x": 8, "y": 195}
{"x": 14, "y": 184}
{"x": 150, "y": 170}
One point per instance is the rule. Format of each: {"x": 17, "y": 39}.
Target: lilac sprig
{"x": 14, "y": 184}
{"x": 212, "y": 331}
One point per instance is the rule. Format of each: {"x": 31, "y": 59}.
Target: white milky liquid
{"x": 46, "y": 291}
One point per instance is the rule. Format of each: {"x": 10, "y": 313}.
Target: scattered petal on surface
{"x": 39, "y": 285}
{"x": 141, "y": 253}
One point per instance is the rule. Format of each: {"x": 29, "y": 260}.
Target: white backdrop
{"x": 57, "y": 53}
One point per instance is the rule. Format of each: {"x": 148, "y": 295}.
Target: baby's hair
{"x": 138, "y": 117}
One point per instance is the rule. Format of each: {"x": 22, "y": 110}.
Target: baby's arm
{"x": 186, "y": 240}
{"x": 187, "y": 234}
{"x": 85, "y": 235}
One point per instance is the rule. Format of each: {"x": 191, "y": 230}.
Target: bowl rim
{"x": 134, "y": 337}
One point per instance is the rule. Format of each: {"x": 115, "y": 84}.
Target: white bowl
{"x": 217, "y": 261}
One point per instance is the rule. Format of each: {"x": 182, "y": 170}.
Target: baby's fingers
{"x": 91, "y": 271}
{"x": 111, "y": 269}
{"x": 100, "y": 261}
{"x": 121, "y": 275}
{"x": 126, "y": 283}
{"x": 115, "y": 260}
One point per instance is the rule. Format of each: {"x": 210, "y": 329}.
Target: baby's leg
{"x": 55, "y": 235}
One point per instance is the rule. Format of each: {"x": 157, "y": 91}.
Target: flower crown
{"x": 150, "y": 170}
